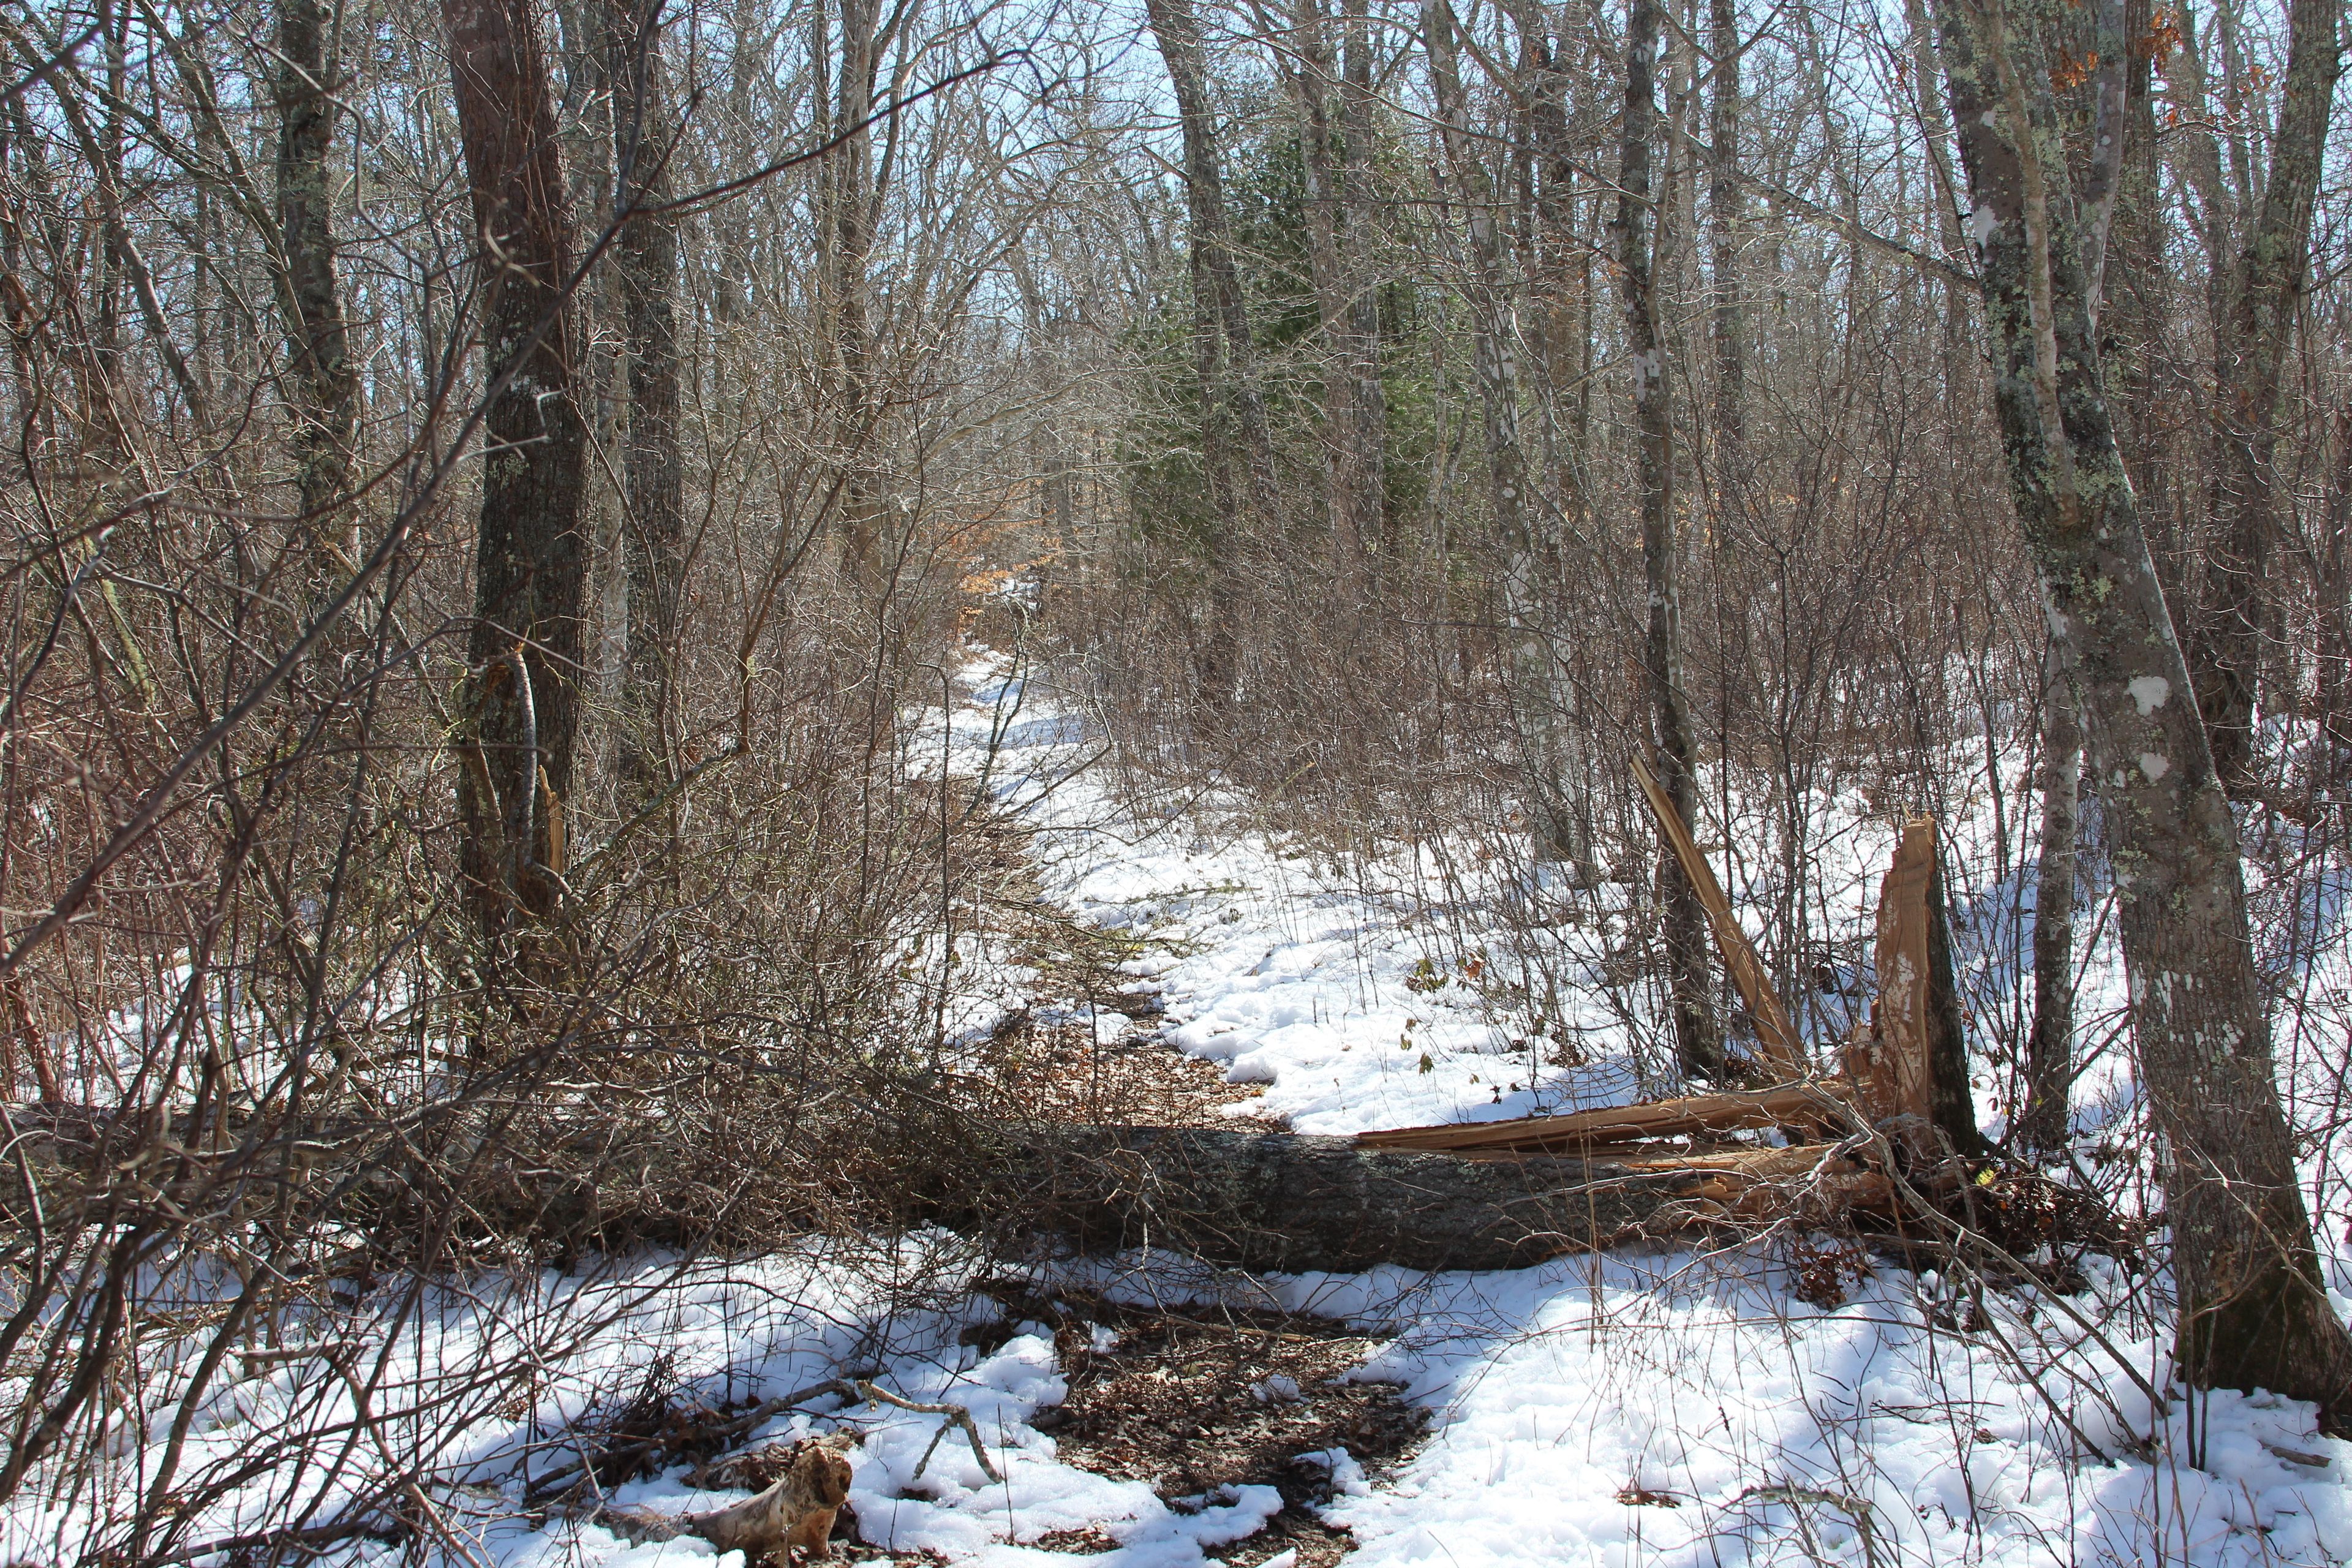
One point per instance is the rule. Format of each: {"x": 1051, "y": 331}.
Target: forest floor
{"x": 1794, "y": 1398}
{"x": 1789, "y": 1398}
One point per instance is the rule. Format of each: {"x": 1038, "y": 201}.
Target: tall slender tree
{"x": 645, "y": 250}
{"x": 2049, "y": 1041}
{"x": 2254, "y": 319}
{"x": 325, "y": 382}
{"x": 1336, "y": 236}
{"x": 529, "y": 563}
{"x": 1698, "y": 1045}
{"x": 1550, "y": 765}
{"x": 1727, "y": 207}
{"x": 1236, "y": 445}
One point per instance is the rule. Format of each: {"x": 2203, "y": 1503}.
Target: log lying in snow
{"x": 1292, "y": 1203}
{"x": 1793, "y": 1104}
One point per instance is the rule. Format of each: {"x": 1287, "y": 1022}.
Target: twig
{"x": 1856, "y": 1508}
{"x": 559, "y": 1481}
{"x": 957, "y": 1416}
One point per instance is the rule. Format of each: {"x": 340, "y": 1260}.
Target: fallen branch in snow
{"x": 957, "y": 1416}
{"x": 1800, "y": 1104}
{"x": 797, "y": 1508}
{"x": 1857, "y": 1508}
{"x": 632, "y": 1455}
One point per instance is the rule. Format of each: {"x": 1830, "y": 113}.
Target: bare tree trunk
{"x": 1549, "y": 743}
{"x": 2335, "y": 608}
{"x": 848, "y": 233}
{"x": 1698, "y": 1045}
{"x": 2234, "y": 625}
{"x": 1364, "y": 451}
{"x": 654, "y": 535}
{"x": 2254, "y": 1310}
{"x": 2050, "y": 1047}
{"x": 530, "y": 558}
{"x": 1727, "y": 207}
{"x": 1235, "y": 434}
{"x": 1563, "y": 273}
{"x": 325, "y": 383}
{"x": 1310, "y": 83}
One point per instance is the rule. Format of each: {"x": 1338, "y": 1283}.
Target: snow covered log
{"x": 1289, "y": 1202}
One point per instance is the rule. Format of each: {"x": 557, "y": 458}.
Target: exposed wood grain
{"x": 1773, "y": 1031}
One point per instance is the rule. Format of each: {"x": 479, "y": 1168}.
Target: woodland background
{"x": 498, "y": 497}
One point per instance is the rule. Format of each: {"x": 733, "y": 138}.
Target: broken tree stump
{"x": 1887, "y": 1057}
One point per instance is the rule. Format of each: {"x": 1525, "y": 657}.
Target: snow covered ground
{"x": 1674, "y": 1407}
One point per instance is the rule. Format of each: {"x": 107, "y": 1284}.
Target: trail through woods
{"x": 1788, "y": 1399}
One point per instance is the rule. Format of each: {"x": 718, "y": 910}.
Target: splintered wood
{"x": 1885, "y": 1084}
{"x": 1886, "y": 1059}
{"x": 1774, "y": 1030}
{"x": 1587, "y": 1130}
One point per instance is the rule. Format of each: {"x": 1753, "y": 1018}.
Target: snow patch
{"x": 2148, "y": 693}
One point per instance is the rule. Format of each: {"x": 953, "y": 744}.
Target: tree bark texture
{"x": 1278, "y": 1201}
{"x": 1364, "y": 449}
{"x": 530, "y": 558}
{"x": 2253, "y": 1309}
{"x": 1541, "y": 700}
{"x": 1562, "y": 272}
{"x": 847, "y": 236}
{"x": 1336, "y": 157}
{"x": 1726, "y": 206}
{"x": 1243, "y": 1199}
{"x": 325, "y": 384}
{"x": 1698, "y": 1046}
{"x": 2235, "y": 629}
{"x": 1951, "y": 1096}
{"x": 646, "y": 254}
{"x": 2050, "y": 1047}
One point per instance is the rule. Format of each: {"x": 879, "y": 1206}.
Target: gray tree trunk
{"x": 1278, "y": 1201}
{"x": 1311, "y": 74}
{"x": 2234, "y": 626}
{"x": 2050, "y": 1047}
{"x": 522, "y": 706}
{"x": 325, "y": 383}
{"x": 1698, "y": 1042}
{"x": 1364, "y": 451}
{"x": 1237, "y": 448}
{"x": 1551, "y": 764}
{"x": 1726, "y": 206}
{"x": 2253, "y": 1311}
{"x": 646, "y": 251}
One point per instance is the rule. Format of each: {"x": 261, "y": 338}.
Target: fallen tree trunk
{"x": 1258, "y": 1200}
{"x": 1283, "y": 1201}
